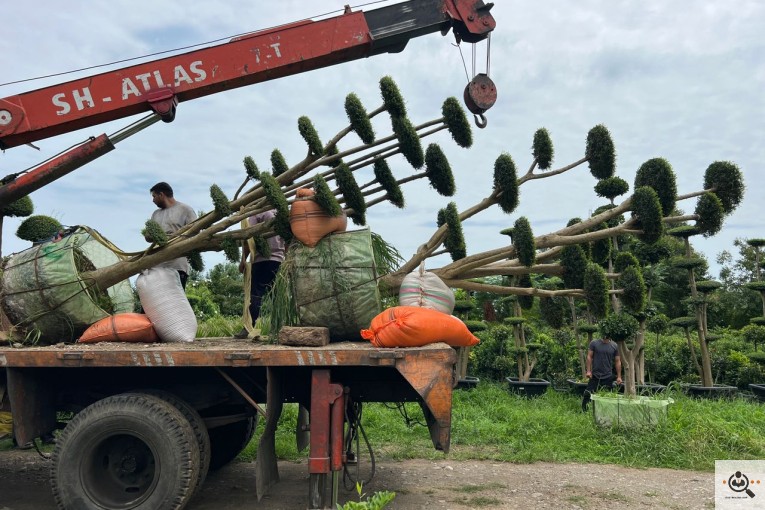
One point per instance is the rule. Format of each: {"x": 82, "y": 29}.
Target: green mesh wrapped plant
{"x": 600, "y": 152}
{"x": 311, "y": 137}
{"x": 324, "y": 197}
{"x": 154, "y": 233}
{"x": 647, "y": 210}
{"x": 596, "y": 290}
{"x": 523, "y": 241}
{"x": 457, "y": 123}
{"x": 220, "y": 200}
{"x": 725, "y": 180}
{"x": 386, "y": 179}
{"x": 439, "y": 171}
{"x": 506, "y": 183}
{"x": 354, "y": 199}
{"x": 542, "y": 149}
{"x": 657, "y": 173}
{"x": 359, "y": 119}
{"x": 711, "y": 214}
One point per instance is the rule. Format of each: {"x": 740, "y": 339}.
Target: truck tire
{"x": 197, "y": 424}
{"x": 228, "y": 441}
{"x": 132, "y": 451}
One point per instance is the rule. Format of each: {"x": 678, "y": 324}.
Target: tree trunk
{"x": 640, "y": 341}
{"x": 628, "y": 368}
{"x": 577, "y": 338}
{"x": 693, "y": 351}
{"x": 706, "y": 362}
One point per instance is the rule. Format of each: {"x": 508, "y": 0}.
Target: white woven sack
{"x": 164, "y": 302}
{"x": 425, "y": 289}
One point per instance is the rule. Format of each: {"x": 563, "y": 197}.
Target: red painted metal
{"x": 55, "y": 168}
{"x": 337, "y": 432}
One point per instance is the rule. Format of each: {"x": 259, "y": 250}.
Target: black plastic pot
{"x": 576, "y": 387}
{"x": 759, "y": 391}
{"x": 712, "y": 392}
{"x": 468, "y": 383}
{"x": 529, "y": 389}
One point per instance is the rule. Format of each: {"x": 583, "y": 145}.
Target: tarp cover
{"x": 42, "y": 289}
{"x": 335, "y": 284}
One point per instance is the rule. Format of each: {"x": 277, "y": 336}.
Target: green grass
{"x": 490, "y": 424}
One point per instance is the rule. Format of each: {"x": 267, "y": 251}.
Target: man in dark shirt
{"x": 601, "y": 357}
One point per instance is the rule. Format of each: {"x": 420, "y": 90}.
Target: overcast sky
{"x": 679, "y": 79}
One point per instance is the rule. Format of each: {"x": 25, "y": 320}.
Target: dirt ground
{"x": 419, "y": 484}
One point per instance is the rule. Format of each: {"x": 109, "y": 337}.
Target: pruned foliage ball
{"x": 220, "y": 200}
{"x": 657, "y": 173}
{"x": 652, "y": 253}
{"x": 152, "y": 231}
{"x": 311, "y": 137}
{"x": 476, "y": 326}
{"x": 726, "y": 181}
{"x": 658, "y": 323}
{"x": 386, "y": 179}
{"x": 573, "y": 221}
{"x": 756, "y": 243}
{"x": 711, "y": 214}
{"x": 506, "y": 183}
{"x": 688, "y": 263}
{"x": 600, "y": 250}
{"x": 647, "y": 209}
{"x": 525, "y": 302}
{"x": 600, "y": 152}
{"x": 634, "y": 290}
{"x": 231, "y": 250}
{"x": 684, "y": 322}
{"x": 614, "y": 221}
{"x": 331, "y": 150}
{"x": 624, "y": 260}
{"x": 439, "y": 171}
{"x": 454, "y": 242}
{"x": 596, "y": 290}
{"x": 18, "y": 208}
{"x": 618, "y": 327}
{"x": 707, "y": 286}
{"x": 251, "y": 168}
{"x": 195, "y": 261}
{"x": 354, "y": 199}
{"x": 262, "y": 247}
{"x": 684, "y": 231}
{"x": 523, "y": 241}
{"x": 278, "y": 163}
{"x": 359, "y": 119}
{"x": 542, "y": 148}
{"x": 585, "y": 327}
{"x": 553, "y": 310}
{"x": 457, "y": 122}
{"x": 324, "y": 196}
{"x": 392, "y": 98}
{"x": 756, "y": 286}
{"x": 574, "y": 263}
{"x": 515, "y": 321}
{"x": 611, "y": 187}
{"x": 409, "y": 141}
{"x": 278, "y": 201}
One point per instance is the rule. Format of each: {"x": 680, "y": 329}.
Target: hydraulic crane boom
{"x": 260, "y": 56}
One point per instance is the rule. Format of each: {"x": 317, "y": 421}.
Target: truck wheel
{"x": 197, "y": 424}
{"x": 227, "y": 441}
{"x": 126, "y": 451}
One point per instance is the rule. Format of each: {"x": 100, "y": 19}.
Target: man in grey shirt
{"x": 172, "y": 215}
{"x": 601, "y": 357}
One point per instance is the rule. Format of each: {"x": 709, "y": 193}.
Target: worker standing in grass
{"x": 172, "y": 215}
{"x": 602, "y": 356}
{"x": 263, "y": 269}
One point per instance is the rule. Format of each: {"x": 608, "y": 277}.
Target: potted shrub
{"x": 526, "y": 358}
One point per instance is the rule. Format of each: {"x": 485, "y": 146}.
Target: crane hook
{"x": 480, "y": 95}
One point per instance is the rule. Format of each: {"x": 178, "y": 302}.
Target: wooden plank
{"x": 303, "y": 336}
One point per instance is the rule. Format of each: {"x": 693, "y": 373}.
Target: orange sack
{"x": 413, "y": 326}
{"x": 123, "y": 327}
{"x": 309, "y": 222}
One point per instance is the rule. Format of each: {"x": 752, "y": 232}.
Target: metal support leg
{"x": 326, "y": 444}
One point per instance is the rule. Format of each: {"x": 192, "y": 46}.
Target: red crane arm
{"x": 290, "y": 49}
